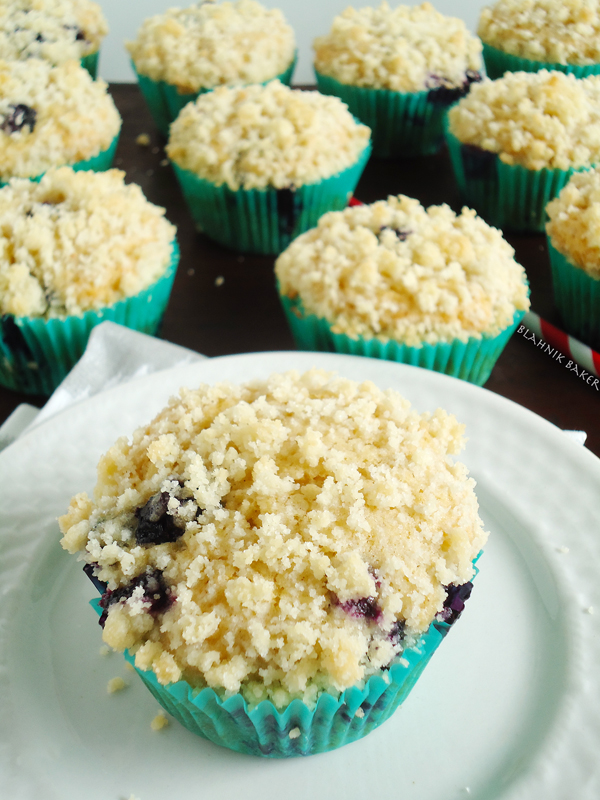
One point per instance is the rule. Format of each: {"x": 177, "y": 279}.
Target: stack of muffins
{"x": 275, "y": 599}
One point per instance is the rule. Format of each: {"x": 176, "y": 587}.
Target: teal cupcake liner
{"x": 402, "y": 123}
{"x": 97, "y": 163}
{"x": 497, "y": 62}
{"x": 165, "y": 101}
{"x": 265, "y": 220}
{"x": 577, "y": 297}
{"x": 295, "y": 730}
{"x": 90, "y": 62}
{"x": 471, "y": 361}
{"x": 507, "y": 196}
{"x": 36, "y": 354}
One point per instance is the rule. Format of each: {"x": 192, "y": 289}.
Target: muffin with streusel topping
{"x": 52, "y": 116}
{"x": 76, "y": 248}
{"x": 397, "y": 281}
{"x": 259, "y": 164}
{"x": 184, "y": 52}
{"x": 514, "y": 143}
{"x": 528, "y": 36}
{"x": 574, "y": 247}
{"x": 398, "y": 70}
{"x": 54, "y": 30}
{"x": 281, "y": 558}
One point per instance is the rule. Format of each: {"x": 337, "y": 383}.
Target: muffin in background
{"x": 528, "y": 36}
{"x": 514, "y": 143}
{"x": 281, "y": 558}
{"x": 574, "y": 247}
{"x": 54, "y": 30}
{"x": 398, "y": 70}
{"x": 397, "y": 281}
{"x": 76, "y": 249}
{"x": 52, "y": 116}
{"x": 184, "y": 52}
{"x": 260, "y": 164}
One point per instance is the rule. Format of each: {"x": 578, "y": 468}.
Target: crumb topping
{"x": 403, "y": 49}
{"x": 574, "y": 226}
{"x": 314, "y": 525}
{"x": 77, "y": 241}
{"x": 558, "y": 31}
{"x": 51, "y": 116}
{"x": 395, "y": 270}
{"x": 258, "y": 136}
{"x": 211, "y": 44}
{"x": 535, "y": 119}
{"x": 54, "y": 30}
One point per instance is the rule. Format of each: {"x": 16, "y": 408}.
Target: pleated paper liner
{"x": 497, "y": 62}
{"x": 90, "y": 62}
{"x": 165, "y": 101}
{"x": 265, "y": 220}
{"x": 507, "y": 196}
{"x": 471, "y": 361}
{"x": 577, "y": 297}
{"x": 36, "y": 354}
{"x": 402, "y": 123}
{"x": 296, "y": 730}
{"x": 97, "y": 163}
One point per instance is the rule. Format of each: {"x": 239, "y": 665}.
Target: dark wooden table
{"x": 242, "y": 313}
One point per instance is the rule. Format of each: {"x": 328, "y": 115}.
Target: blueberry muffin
{"x": 515, "y": 141}
{"x": 537, "y": 34}
{"x": 275, "y": 545}
{"x": 574, "y": 246}
{"x": 75, "y": 248}
{"x": 55, "y": 30}
{"x": 183, "y": 52}
{"x": 51, "y": 116}
{"x": 397, "y": 281}
{"x": 398, "y": 70}
{"x": 260, "y": 164}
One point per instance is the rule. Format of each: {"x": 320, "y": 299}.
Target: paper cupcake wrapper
{"x": 471, "y": 361}
{"x": 165, "y": 101}
{"x": 507, "y": 196}
{"x": 402, "y": 123}
{"x": 295, "y": 730}
{"x": 98, "y": 163}
{"x": 265, "y": 220}
{"x": 36, "y": 354}
{"x": 497, "y": 62}
{"x": 577, "y": 297}
{"x": 90, "y": 62}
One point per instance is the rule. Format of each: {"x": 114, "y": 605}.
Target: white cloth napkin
{"x": 114, "y": 354}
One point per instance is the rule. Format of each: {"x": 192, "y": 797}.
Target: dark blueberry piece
{"x": 478, "y": 164}
{"x": 20, "y": 117}
{"x": 400, "y": 234}
{"x": 397, "y": 633}
{"x": 440, "y": 93}
{"x": 13, "y": 338}
{"x": 39, "y": 38}
{"x": 473, "y": 76}
{"x": 289, "y": 208}
{"x": 80, "y": 36}
{"x": 89, "y": 571}
{"x": 454, "y": 603}
{"x": 156, "y": 593}
{"x": 363, "y": 608}
{"x": 155, "y": 524}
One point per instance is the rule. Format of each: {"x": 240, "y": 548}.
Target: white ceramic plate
{"x": 508, "y": 708}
